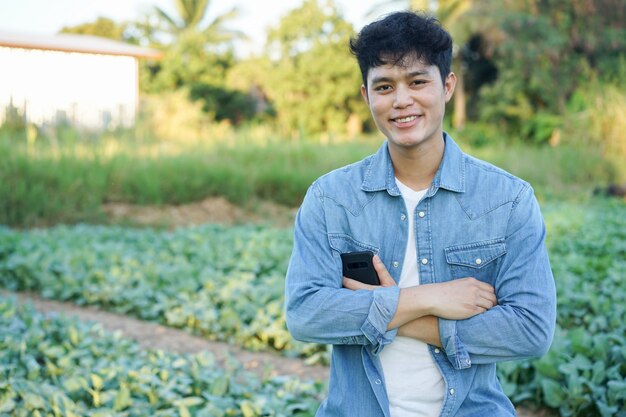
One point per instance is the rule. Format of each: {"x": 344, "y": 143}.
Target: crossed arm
{"x": 420, "y": 307}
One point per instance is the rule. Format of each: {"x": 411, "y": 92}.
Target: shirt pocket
{"x": 343, "y": 243}
{"x": 479, "y": 259}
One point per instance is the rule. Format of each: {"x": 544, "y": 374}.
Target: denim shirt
{"x": 476, "y": 220}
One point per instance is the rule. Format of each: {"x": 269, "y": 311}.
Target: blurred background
{"x": 539, "y": 81}
{"x": 128, "y": 129}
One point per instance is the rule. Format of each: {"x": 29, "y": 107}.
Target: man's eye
{"x": 419, "y": 82}
{"x": 382, "y": 88}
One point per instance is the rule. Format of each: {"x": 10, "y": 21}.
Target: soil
{"x": 210, "y": 210}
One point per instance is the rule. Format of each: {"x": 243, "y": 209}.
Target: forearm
{"x": 411, "y": 305}
{"x": 334, "y": 316}
{"x": 457, "y": 300}
{"x": 425, "y": 329}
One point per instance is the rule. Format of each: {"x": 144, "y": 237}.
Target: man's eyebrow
{"x": 383, "y": 79}
{"x": 377, "y": 80}
{"x": 418, "y": 73}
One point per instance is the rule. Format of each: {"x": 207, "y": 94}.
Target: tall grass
{"x": 43, "y": 183}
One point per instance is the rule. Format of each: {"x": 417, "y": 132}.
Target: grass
{"x": 48, "y": 183}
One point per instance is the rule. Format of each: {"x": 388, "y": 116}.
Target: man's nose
{"x": 402, "y": 97}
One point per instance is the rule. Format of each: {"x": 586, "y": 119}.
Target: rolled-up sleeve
{"x": 318, "y": 309}
{"x": 522, "y": 324}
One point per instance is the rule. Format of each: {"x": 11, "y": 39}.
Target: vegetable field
{"x": 57, "y": 367}
{"x": 226, "y": 283}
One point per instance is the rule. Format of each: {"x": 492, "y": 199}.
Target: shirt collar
{"x": 450, "y": 175}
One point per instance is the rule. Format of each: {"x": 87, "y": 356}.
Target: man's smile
{"x": 404, "y": 119}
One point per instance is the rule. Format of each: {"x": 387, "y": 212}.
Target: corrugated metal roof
{"x": 75, "y": 43}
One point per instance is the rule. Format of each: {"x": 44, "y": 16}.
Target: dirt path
{"x": 209, "y": 210}
{"x": 154, "y": 336}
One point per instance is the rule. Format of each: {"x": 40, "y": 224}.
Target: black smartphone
{"x": 359, "y": 266}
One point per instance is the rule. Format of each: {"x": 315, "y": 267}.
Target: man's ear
{"x": 449, "y": 86}
{"x": 364, "y": 94}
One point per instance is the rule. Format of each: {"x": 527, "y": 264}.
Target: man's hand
{"x": 460, "y": 299}
{"x": 383, "y": 276}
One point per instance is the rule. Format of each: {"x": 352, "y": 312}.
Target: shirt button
{"x": 424, "y": 261}
{"x": 378, "y": 382}
{"x": 451, "y": 391}
{"x": 437, "y": 350}
{"x": 402, "y": 217}
{"x": 396, "y": 264}
{"x": 479, "y": 261}
{"x": 421, "y": 214}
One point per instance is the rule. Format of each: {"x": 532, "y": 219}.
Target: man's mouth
{"x": 404, "y": 119}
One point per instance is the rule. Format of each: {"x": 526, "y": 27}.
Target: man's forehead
{"x": 405, "y": 63}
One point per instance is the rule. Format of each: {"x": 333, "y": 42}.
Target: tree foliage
{"x": 197, "y": 56}
{"x": 312, "y": 80}
{"x": 103, "y": 27}
{"x": 548, "y": 49}
{"x": 520, "y": 63}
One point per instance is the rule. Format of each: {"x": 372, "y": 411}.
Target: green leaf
{"x": 74, "y": 384}
{"x": 183, "y": 411}
{"x": 617, "y": 390}
{"x": 6, "y": 405}
{"x": 33, "y": 401}
{"x": 553, "y": 393}
{"x": 248, "y": 409}
{"x": 220, "y": 386}
{"x": 189, "y": 402}
{"x": 122, "y": 399}
{"x": 96, "y": 382}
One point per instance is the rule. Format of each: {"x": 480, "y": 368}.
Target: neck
{"x": 416, "y": 167}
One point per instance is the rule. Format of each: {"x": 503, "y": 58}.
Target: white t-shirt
{"x": 415, "y": 387}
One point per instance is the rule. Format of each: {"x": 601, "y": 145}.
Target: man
{"x": 459, "y": 244}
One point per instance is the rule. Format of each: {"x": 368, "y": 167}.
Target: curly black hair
{"x": 399, "y": 34}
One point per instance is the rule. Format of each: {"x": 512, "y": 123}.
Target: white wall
{"x": 94, "y": 91}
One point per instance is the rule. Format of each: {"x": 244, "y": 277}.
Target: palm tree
{"x": 191, "y": 14}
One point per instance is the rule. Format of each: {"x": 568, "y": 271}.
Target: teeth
{"x": 406, "y": 119}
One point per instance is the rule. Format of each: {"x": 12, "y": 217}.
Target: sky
{"x": 255, "y": 16}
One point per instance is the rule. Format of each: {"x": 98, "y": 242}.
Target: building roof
{"x": 75, "y": 43}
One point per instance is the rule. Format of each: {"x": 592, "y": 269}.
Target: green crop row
{"x": 52, "y": 366}
{"x": 219, "y": 282}
{"x": 227, "y": 283}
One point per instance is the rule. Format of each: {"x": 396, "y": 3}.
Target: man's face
{"x": 407, "y": 102}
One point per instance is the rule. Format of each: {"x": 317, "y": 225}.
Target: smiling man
{"x": 465, "y": 280}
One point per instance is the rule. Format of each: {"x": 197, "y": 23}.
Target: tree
{"x": 197, "y": 56}
{"x": 313, "y": 81}
{"x": 103, "y": 27}
{"x": 191, "y": 14}
{"x": 549, "y": 48}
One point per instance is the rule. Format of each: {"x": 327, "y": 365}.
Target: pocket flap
{"x": 343, "y": 243}
{"x": 475, "y": 255}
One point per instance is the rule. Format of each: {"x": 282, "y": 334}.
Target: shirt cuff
{"x": 382, "y": 310}
{"x": 455, "y": 349}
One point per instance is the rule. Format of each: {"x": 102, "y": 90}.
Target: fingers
{"x": 383, "y": 275}
{"x": 353, "y": 284}
{"x": 486, "y": 295}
